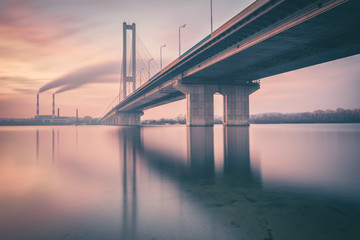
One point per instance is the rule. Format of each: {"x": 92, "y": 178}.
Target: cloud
{"x": 25, "y": 25}
{"x": 11, "y": 85}
{"x": 25, "y": 91}
{"x": 100, "y": 73}
{"x": 20, "y": 80}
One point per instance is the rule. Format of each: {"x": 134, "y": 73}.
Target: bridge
{"x": 267, "y": 38}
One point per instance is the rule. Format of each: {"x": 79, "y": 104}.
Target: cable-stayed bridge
{"x": 267, "y": 38}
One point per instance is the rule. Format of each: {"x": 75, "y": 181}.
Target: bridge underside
{"x": 290, "y": 36}
{"x": 329, "y": 36}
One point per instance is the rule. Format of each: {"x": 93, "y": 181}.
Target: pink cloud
{"x": 22, "y": 21}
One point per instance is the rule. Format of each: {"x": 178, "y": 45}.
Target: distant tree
{"x": 319, "y": 116}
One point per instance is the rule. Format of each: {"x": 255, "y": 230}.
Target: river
{"x": 265, "y": 182}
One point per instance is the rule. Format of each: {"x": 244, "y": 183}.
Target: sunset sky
{"x": 41, "y": 41}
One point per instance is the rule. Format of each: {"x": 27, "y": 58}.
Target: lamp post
{"x": 149, "y": 67}
{"x": 161, "y": 55}
{"x": 211, "y": 16}
{"x": 182, "y": 26}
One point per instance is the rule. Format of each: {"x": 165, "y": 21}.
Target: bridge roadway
{"x": 267, "y": 38}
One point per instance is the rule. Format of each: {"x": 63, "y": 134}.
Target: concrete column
{"x": 128, "y": 118}
{"x": 236, "y": 104}
{"x": 200, "y": 103}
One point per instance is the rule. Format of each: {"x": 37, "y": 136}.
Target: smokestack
{"x": 77, "y": 115}
{"x": 53, "y": 107}
{"x": 37, "y": 105}
{"x": 58, "y": 112}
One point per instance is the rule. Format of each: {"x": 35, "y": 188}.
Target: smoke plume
{"x": 99, "y": 73}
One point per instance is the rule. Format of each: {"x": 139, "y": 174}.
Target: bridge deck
{"x": 267, "y": 38}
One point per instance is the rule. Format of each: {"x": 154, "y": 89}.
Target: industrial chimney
{"x": 58, "y": 112}
{"x": 53, "y": 107}
{"x": 77, "y": 115}
{"x": 37, "y": 105}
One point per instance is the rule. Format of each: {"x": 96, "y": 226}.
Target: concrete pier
{"x": 200, "y": 103}
{"x": 236, "y": 104}
{"x": 126, "y": 119}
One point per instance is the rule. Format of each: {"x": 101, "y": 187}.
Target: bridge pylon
{"x": 125, "y": 77}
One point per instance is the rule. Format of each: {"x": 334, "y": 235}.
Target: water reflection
{"x": 37, "y": 134}
{"x": 163, "y": 182}
{"x": 200, "y": 142}
{"x": 196, "y": 168}
{"x": 53, "y": 146}
{"x": 77, "y": 140}
{"x": 129, "y": 142}
{"x": 58, "y": 143}
{"x": 241, "y": 190}
{"x": 37, "y": 146}
{"x": 236, "y": 152}
{"x": 200, "y": 155}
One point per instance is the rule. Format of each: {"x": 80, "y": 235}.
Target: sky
{"x": 43, "y": 43}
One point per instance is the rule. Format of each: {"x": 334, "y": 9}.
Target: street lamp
{"x": 182, "y": 26}
{"x": 149, "y": 67}
{"x": 161, "y": 55}
{"x": 211, "y": 17}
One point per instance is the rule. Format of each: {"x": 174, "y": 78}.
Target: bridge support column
{"x": 200, "y": 103}
{"x": 236, "y": 104}
{"x": 128, "y": 118}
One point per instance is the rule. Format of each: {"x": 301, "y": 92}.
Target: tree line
{"x": 339, "y": 115}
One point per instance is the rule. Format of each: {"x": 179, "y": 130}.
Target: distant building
{"x": 50, "y": 119}
{"x": 88, "y": 119}
{"x": 62, "y": 120}
{"x": 45, "y": 119}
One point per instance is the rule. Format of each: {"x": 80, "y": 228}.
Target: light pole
{"x": 182, "y": 26}
{"x": 211, "y": 17}
{"x": 149, "y": 67}
{"x": 161, "y": 55}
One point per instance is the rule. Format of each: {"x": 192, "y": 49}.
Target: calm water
{"x": 266, "y": 182}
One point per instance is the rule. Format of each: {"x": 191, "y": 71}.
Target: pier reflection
{"x": 129, "y": 143}
{"x": 190, "y": 174}
{"x": 200, "y": 148}
{"x": 236, "y": 153}
{"x": 200, "y": 155}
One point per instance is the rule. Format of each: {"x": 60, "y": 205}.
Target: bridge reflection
{"x": 236, "y": 153}
{"x": 197, "y": 169}
{"x": 129, "y": 142}
{"x": 200, "y": 153}
{"x": 200, "y": 144}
